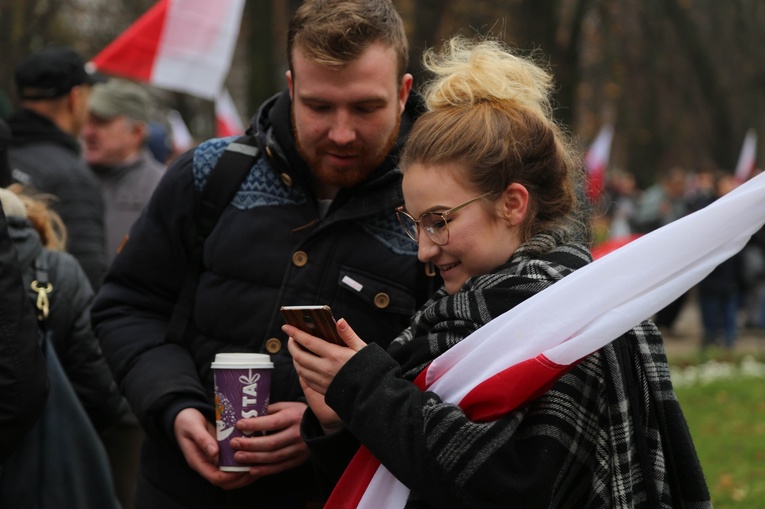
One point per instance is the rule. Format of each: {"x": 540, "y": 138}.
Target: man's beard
{"x": 349, "y": 176}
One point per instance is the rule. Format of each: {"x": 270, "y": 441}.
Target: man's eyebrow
{"x": 377, "y": 99}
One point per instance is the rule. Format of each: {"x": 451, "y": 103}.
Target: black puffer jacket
{"x": 48, "y": 160}
{"x": 269, "y": 248}
{"x": 69, "y": 321}
{"x": 23, "y": 378}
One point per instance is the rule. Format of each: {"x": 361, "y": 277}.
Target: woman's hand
{"x": 317, "y": 362}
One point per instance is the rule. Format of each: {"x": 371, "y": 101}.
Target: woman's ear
{"x": 514, "y": 203}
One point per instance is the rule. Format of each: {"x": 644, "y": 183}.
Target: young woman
{"x": 490, "y": 188}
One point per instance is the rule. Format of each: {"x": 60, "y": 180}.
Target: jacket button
{"x": 299, "y": 258}
{"x": 286, "y": 179}
{"x": 382, "y": 300}
{"x": 273, "y": 346}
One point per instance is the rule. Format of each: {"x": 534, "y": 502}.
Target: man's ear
{"x": 290, "y": 85}
{"x": 403, "y": 91}
{"x": 141, "y": 129}
{"x": 74, "y": 98}
{"x": 514, "y": 204}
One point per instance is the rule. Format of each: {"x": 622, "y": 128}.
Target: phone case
{"x": 315, "y": 320}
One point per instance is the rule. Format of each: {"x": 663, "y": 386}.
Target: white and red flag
{"x": 596, "y": 161}
{"x": 182, "y": 139}
{"x": 746, "y": 159}
{"x": 180, "y": 45}
{"x": 227, "y": 119}
{"x": 520, "y": 354}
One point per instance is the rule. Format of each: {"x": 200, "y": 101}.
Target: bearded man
{"x": 313, "y": 222}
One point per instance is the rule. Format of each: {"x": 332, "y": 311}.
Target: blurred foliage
{"x": 681, "y": 80}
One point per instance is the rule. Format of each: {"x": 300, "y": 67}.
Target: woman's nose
{"x": 426, "y": 248}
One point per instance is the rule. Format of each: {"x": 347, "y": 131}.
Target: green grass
{"x": 727, "y": 422}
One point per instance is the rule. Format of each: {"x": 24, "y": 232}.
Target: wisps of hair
{"x": 48, "y": 224}
{"x": 467, "y": 73}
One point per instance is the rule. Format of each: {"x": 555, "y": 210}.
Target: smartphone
{"x": 315, "y": 320}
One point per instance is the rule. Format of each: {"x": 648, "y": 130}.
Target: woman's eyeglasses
{"x": 434, "y": 223}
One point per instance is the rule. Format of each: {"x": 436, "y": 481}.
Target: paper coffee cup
{"x": 242, "y": 389}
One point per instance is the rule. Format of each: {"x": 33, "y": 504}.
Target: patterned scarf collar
{"x": 447, "y": 319}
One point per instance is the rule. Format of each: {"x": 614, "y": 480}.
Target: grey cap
{"x": 120, "y": 97}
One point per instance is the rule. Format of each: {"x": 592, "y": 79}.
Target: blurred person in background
{"x": 45, "y": 154}
{"x": 624, "y": 196}
{"x": 753, "y": 298}
{"x": 702, "y": 189}
{"x": 115, "y": 136}
{"x": 663, "y": 202}
{"x": 35, "y": 229}
{"x": 659, "y": 205}
{"x": 719, "y": 292}
{"x": 23, "y": 375}
{"x": 38, "y": 235}
{"x": 5, "y": 140}
{"x": 159, "y": 142}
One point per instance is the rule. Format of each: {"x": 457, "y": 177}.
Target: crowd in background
{"x": 81, "y": 155}
{"x": 730, "y": 298}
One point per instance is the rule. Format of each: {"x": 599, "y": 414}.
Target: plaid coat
{"x": 609, "y": 433}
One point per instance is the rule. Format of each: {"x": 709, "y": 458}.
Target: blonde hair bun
{"x": 470, "y": 72}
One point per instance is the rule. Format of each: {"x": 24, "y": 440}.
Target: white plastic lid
{"x": 242, "y": 360}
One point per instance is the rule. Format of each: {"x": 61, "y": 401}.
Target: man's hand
{"x": 275, "y": 444}
{"x": 196, "y": 438}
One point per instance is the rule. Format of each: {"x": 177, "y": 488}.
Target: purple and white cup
{"x": 242, "y": 389}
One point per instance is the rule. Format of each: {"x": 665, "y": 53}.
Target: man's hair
{"x": 336, "y": 32}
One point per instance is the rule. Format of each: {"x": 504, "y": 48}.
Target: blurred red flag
{"x": 596, "y": 161}
{"x": 227, "y": 119}
{"x": 747, "y": 157}
{"x": 181, "y": 45}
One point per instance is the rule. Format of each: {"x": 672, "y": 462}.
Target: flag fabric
{"x": 180, "y": 45}
{"x": 227, "y": 119}
{"x": 182, "y": 140}
{"x": 746, "y": 159}
{"x": 520, "y": 354}
{"x": 596, "y": 161}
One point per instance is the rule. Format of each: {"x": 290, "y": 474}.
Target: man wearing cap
{"x": 115, "y": 134}
{"x": 53, "y": 87}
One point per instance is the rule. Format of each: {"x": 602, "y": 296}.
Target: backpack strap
{"x": 221, "y": 187}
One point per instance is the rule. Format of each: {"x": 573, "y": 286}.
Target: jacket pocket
{"x": 380, "y": 293}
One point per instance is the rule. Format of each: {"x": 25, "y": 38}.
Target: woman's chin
{"x": 453, "y": 285}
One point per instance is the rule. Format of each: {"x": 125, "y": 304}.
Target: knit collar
{"x": 447, "y": 319}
